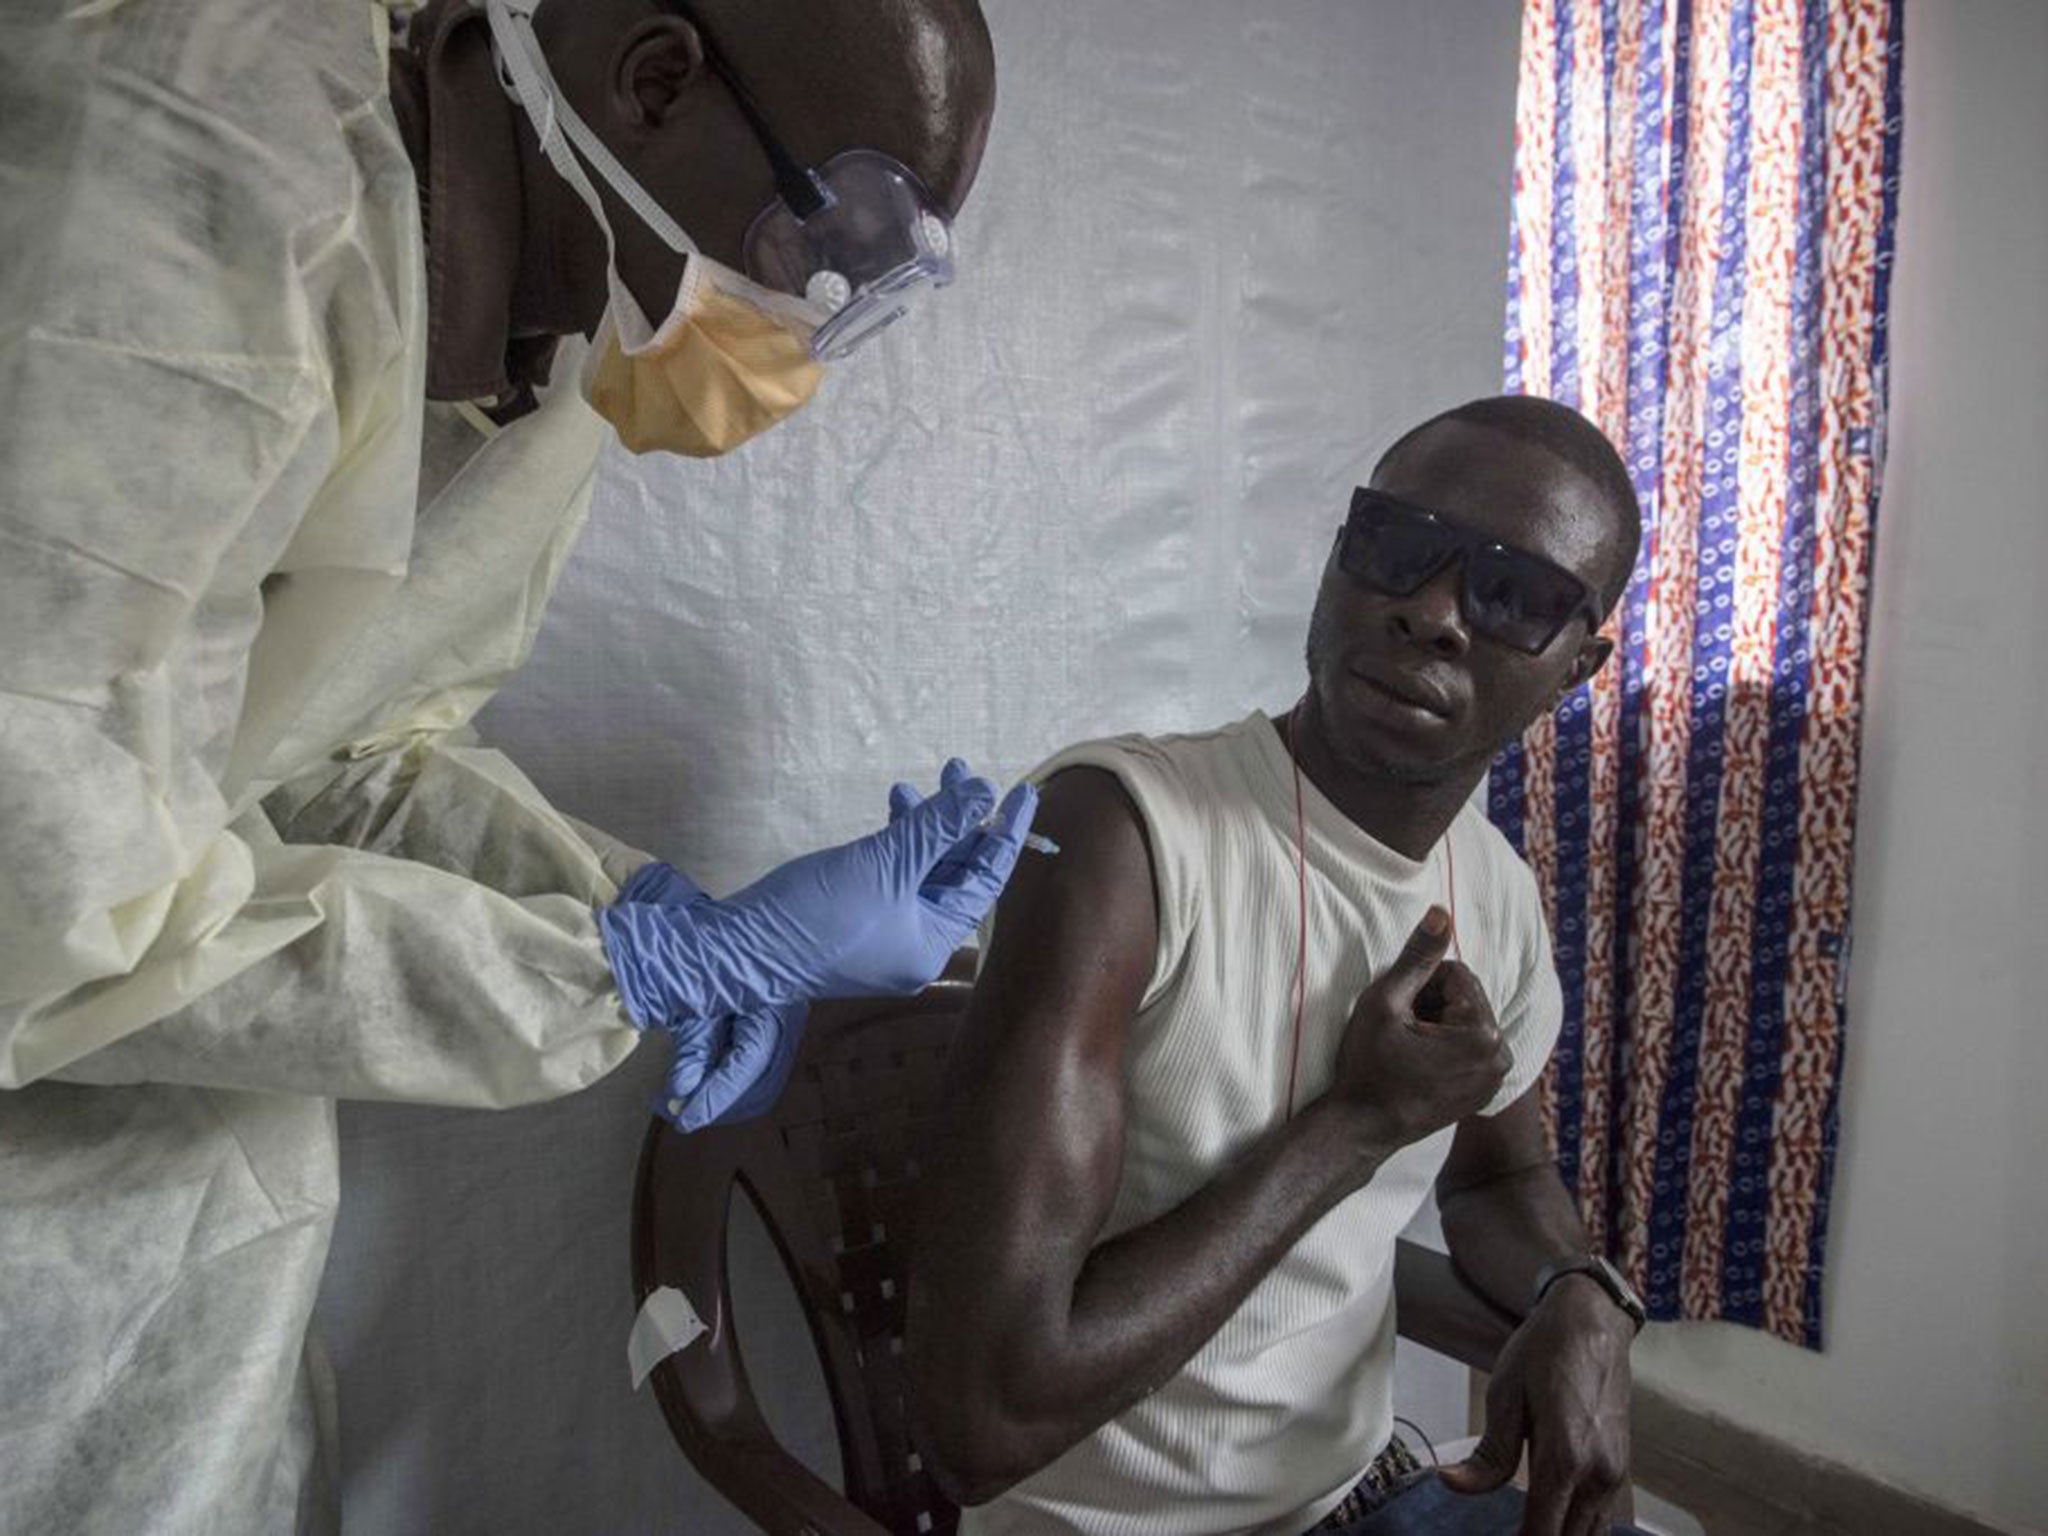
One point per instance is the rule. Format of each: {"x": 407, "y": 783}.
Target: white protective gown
{"x": 249, "y": 859}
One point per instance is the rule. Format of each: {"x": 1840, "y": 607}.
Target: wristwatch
{"x": 1602, "y": 1274}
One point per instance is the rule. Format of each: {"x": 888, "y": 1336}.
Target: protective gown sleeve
{"x": 211, "y": 364}
{"x": 452, "y": 958}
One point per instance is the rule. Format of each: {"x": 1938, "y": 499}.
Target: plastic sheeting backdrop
{"x": 1217, "y": 258}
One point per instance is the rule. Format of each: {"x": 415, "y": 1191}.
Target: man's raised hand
{"x": 1422, "y": 1050}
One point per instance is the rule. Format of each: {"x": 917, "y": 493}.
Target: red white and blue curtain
{"x": 1704, "y": 201}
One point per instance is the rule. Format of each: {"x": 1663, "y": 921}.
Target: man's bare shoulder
{"x": 1070, "y": 915}
{"x": 1089, "y": 803}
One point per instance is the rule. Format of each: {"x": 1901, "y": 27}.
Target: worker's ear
{"x": 656, "y": 65}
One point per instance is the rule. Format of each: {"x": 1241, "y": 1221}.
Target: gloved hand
{"x": 750, "y": 1056}
{"x": 874, "y": 917}
{"x": 985, "y": 847}
{"x": 728, "y": 1069}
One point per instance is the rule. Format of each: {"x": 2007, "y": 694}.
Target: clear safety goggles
{"x": 858, "y": 237}
{"x": 872, "y": 241}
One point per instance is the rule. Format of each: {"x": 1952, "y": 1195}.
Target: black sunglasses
{"x": 1509, "y": 595}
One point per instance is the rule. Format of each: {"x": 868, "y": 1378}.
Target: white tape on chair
{"x": 667, "y": 1323}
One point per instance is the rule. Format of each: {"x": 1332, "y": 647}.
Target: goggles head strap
{"x": 797, "y": 184}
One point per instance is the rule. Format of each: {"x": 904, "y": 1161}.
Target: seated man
{"x": 1281, "y": 977}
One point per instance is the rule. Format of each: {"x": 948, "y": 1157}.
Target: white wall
{"x": 1936, "y": 1372}
{"x": 1220, "y": 254}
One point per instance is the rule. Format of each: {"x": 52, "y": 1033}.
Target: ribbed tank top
{"x": 1271, "y": 1422}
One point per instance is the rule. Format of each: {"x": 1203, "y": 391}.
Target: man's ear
{"x": 1591, "y": 658}
{"x": 654, "y": 68}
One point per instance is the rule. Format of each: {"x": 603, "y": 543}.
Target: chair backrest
{"x": 833, "y": 1171}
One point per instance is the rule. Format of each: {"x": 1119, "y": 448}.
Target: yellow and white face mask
{"x": 730, "y": 360}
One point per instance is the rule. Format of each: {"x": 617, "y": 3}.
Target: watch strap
{"x": 1602, "y": 1274}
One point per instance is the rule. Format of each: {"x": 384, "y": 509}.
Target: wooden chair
{"x": 834, "y": 1173}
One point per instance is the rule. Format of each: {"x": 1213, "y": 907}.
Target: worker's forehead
{"x": 1516, "y": 490}
{"x": 912, "y": 78}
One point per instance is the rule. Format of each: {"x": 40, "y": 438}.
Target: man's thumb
{"x": 1418, "y": 959}
{"x": 1493, "y": 1460}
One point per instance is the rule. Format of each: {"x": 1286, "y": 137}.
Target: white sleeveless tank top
{"x": 1270, "y": 1423}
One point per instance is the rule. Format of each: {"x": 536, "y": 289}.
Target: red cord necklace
{"x": 1292, "y": 744}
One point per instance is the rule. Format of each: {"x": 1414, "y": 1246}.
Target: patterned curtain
{"x": 1704, "y": 200}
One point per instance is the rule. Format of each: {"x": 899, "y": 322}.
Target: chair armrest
{"x": 1436, "y": 1308}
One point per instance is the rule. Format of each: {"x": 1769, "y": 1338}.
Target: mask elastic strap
{"x": 519, "y": 54}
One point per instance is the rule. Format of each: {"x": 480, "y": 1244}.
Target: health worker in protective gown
{"x": 298, "y": 422}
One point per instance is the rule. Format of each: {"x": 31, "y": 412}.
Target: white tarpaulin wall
{"x": 1220, "y": 253}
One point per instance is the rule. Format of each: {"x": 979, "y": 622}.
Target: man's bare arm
{"x": 1561, "y": 1386}
{"x": 1505, "y": 1210}
{"x": 1025, "y": 1335}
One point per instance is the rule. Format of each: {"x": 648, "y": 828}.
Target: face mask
{"x": 730, "y": 359}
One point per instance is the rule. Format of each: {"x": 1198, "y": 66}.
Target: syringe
{"x": 993, "y": 822}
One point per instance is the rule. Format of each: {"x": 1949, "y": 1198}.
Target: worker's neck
{"x": 1407, "y": 814}
{"x": 506, "y": 262}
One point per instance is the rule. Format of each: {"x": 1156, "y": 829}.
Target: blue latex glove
{"x": 876, "y": 917}
{"x": 729, "y": 1069}
{"x": 732, "y": 1070}
{"x": 662, "y": 884}
{"x": 1012, "y": 820}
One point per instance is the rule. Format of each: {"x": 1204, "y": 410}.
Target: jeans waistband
{"x": 1391, "y": 1471}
